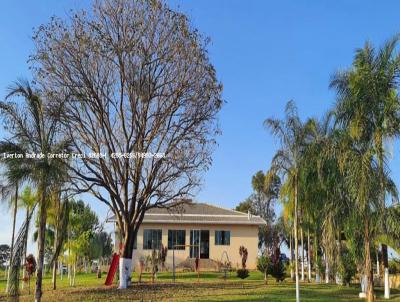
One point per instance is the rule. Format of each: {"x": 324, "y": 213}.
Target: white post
{"x": 363, "y": 283}
{"x": 317, "y": 276}
{"x": 377, "y": 265}
{"x": 326, "y": 270}
{"x": 387, "y": 284}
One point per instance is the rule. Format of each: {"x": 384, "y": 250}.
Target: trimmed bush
{"x": 242, "y": 273}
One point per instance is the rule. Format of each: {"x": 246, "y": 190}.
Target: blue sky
{"x": 265, "y": 53}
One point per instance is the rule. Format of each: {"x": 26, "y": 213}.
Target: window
{"x": 135, "y": 242}
{"x": 176, "y": 237}
{"x": 151, "y": 239}
{"x": 222, "y": 237}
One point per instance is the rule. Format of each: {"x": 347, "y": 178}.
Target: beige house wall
{"x": 246, "y": 235}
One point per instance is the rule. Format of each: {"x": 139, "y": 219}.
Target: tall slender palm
{"x": 293, "y": 135}
{"x": 27, "y": 200}
{"x": 34, "y": 128}
{"x": 368, "y": 105}
{"x": 361, "y": 175}
{"x": 58, "y": 221}
{"x": 6, "y": 193}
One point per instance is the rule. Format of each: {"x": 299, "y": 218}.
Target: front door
{"x": 200, "y": 244}
{"x": 205, "y": 244}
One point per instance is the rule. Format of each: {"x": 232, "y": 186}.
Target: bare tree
{"x": 140, "y": 90}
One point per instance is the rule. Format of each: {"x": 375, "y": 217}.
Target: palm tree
{"x": 361, "y": 174}
{"x": 368, "y": 105}
{"x": 35, "y": 129}
{"x": 6, "y": 191}
{"x": 293, "y": 136}
{"x": 27, "y": 200}
{"x": 59, "y": 212}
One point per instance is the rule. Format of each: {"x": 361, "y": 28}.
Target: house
{"x": 198, "y": 230}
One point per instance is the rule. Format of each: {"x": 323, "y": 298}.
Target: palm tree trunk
{"x": 385, "y": 258}
{"x": 57, "y": 210}
{"x": 296, "y": 242}
{"x": 25, "y": 245}
{"x": 309, "y": 256}
{"x": 13, "y": 233}
{"x": 73, "y": 276}
{"x": 302, "y": 254}
{"x": 317, "y": 268}
{"x": 368, "y": 264}
{"x": 291, "y": 255}
{"x": 339, "y": 278}
{"x": 55, "y": 262}
{"x": 327, "y": 271}
{"x": 41, "y": 245}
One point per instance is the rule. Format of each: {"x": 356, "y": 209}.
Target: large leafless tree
{"x": 137, "y": 79}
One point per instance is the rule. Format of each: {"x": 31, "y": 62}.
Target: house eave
{"x": 250, "y": 223}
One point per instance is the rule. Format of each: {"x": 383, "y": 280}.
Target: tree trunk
{"x": 385, "y": 258}
{"x": 125, "y": 262}
{"x": 69, "y": 256}
{"x": 25, "y": 245}
{"x": 385, "y": 271}
{"x": 55, "y": 275}
{"x": 296, "y": 243}
{"x": 291, "y": 255}
{"x": 13, "y": 234}
{"x": 327, "y": 271}
{"x": 302, "y": 254}
{"x": 74, "y": 275}
{"x": 368, "y": 264}
{"x": 317, "y": 268}
{"x": 41, "y": 243}
{"x": 265, "y": 278}
{"x": 309, "y": 256}
{"x": 339, "y": 278}
{"x": 55, "y": 247}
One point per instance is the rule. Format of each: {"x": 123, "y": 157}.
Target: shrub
{"x": 277, "y": 270}
{"x": 242, "y": 273}
{"x": 347, "y": 267}
{"x": 264, "y": 266}
{"x": 394, "y": 266}
{"x": 243, "y": 253}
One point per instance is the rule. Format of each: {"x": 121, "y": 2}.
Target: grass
{"x": 212, "y": 287}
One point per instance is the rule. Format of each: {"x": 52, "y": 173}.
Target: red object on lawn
{"x": 113, "y": 269}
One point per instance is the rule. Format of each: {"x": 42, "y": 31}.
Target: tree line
{"x": 333, "y": 177}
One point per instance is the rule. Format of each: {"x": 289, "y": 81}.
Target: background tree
{"x": 4, "y": 255}
{"x": 6, "y": 192}
{"x": 34, "y": 128}
{"x": 137, "y": 80}
{"x": 368, "y": 106}
{"x": 246, "y": 206}
{"x": 27, "y": 200}
{"x": 293, "y": 136}
{"x": 82, "y": 228}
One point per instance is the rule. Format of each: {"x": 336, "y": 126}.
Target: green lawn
{"x": 210, "y": 288}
